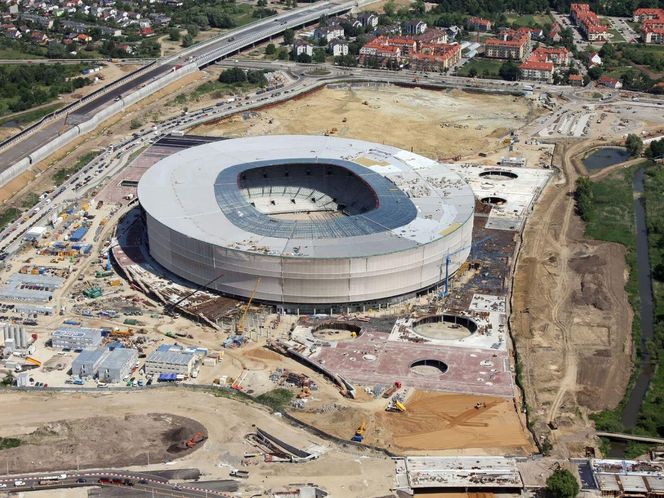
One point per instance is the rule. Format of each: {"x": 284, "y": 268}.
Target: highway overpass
{"x": 32, "y": 145}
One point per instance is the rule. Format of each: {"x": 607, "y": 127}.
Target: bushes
{"x": 235, "y": 75}
{"x": 583, "y": 196}
{"x": 562, "y": 484}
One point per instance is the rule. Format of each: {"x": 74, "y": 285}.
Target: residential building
{"x": 435, "y": 57}
{"x": 338, "y": 47}
{"x": 414, "y": 27}
{"x": 588, "y": 22}
{"x": 368, "y": 19}
{"x": 575, "y": 80}
{"x": 170, "y": 360}
{"x": 379, "y": 52}
{"x": 558, "y": 56}
{"x": 433, "y": 35}
{"x": 76, "y": 338}
{"x": 652, "y": 35}
{"x": 510, "y": 44}
{"x": 554, "y": 32}
{"x": 117, "y": 365}
{"x": 609, "y": 82}
{"x": 595, "y": 59}
{"x": 41, "y": 21}
{"x": 537, "y": 70}
{"x": 479, "y": 24}
{"x": 328, "y": 33}
{"x": 303, "y": 47}
{"x": 641, "y": 15}
{"x": 452, "y": 32}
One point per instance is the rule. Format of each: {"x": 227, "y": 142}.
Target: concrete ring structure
{"x": 323, "y": 222}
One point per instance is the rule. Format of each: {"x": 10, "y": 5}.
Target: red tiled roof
{"x": 537, "y": 65}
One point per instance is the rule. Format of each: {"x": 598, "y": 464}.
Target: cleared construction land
{"x": 434, "y": 423}
{"x": 227, "y": 422}
{"x": 437, "y": 124}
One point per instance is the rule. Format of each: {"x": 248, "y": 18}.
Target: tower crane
{"x": 240, "y": 323}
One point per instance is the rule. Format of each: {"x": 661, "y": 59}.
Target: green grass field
{"x": 530, "y": 20}
{"x": 484, "y": 67}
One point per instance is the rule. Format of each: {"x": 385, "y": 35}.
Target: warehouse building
{"x": 86, "y": 364}
{"x": 170, "y": 360}
{"x": 117, "y": 365}
{"x": 108, "y": 365}
{"x": 76, "y": 338}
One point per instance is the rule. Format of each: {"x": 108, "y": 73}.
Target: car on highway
{"x": 80, "y": 480}
{"x": 3, "y": 485}
{"x": 19, "y": 482}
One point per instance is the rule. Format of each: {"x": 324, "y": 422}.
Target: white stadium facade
{"x": 310, "y": 222}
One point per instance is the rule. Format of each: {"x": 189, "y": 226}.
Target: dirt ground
{"x": 101, "y": 442}
{"x": 343, "y": 472}
{"x": 571, "y": 315}
{"x": 436, "y": 124}
{"x": 434, "y": 423}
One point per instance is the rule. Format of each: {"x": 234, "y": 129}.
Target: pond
{"x": 605, "y": 156}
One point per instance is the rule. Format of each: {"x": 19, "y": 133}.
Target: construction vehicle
{"x": 358, "y": 437}
{"x": 121, "y": 333}
{"x": 240, "y": 324}
{"x": 479, "y": 405}
{"x": 33, "y": 361}
{"x": 395, "y": 406}
{"x": 195, "y": 439}
{"x": 304, "y": 393}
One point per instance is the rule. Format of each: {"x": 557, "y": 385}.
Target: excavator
{"x": 195, "y": 439}
{"x": 359, "y": 432}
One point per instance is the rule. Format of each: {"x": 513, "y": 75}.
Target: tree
{"x": 346, "y": 60}
{"x": 187, "y": 40}
{"x": 304, "y": 58}
{"x": 270, "y": 49}
{"x": 390, "y": 8}
{"x": 472, "y": 72}
{"x": 233, "y": 75}
{"x": 283, "y": 54}
{"x": 193, "y": 30}
{"x": 257, "y": 78}
{"x": 595, "y": 72}
{"x": 135, "y": 124}
{"x": 562, "y": 484}
{"x": 656, "y": 149}
{"x": 174, "y": 34}
{"x": 583, "y": 196}
{"x": 289, "y": 36}
{"x": 261, "y": 3}
{"x": 509, "y": 71}
{"x": 319, "y": 55}
{"x": 634, "y": 144}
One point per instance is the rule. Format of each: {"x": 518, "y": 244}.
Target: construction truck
{"x": 197, "y": 438}
{"x": 395, "y": 406}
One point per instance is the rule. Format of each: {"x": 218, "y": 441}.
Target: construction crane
{"x": 448, "y": 258}
{"x": 240, "y": 323}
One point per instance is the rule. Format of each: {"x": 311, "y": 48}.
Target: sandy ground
{"x": 342, "y": 472}
{"x": 570, "y": 314}
{"x": 437, "y": 124}
{"x": 99, "y": 442}
{"x": 434, "y": 423}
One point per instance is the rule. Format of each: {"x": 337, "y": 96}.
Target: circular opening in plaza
{"x": 307, "y": 223}
{"x": 446, "y": 327}
{"x": 428, "y": 368}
